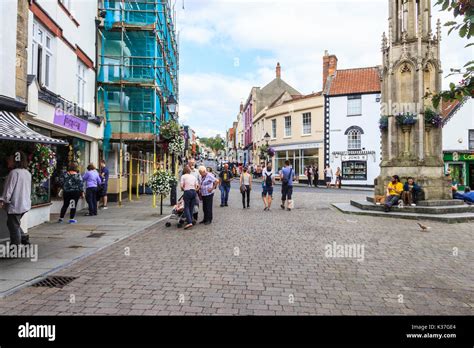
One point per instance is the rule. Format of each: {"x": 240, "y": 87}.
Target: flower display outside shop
{"x": 42, "y": 163}
{"x": 161, "y": 182}
{"x": 406, "y": 119}
{"x": 271, "y": 152}
{"x": 433, "y": 118}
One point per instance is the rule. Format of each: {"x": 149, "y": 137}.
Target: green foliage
{"x": 215, "y": 143}
{"x": 463, "y": 10}
{"x": 160, "y": 183}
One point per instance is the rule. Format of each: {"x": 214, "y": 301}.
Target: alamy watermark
{"x": 349, "y": 251}
{"x": 14, "y": 251}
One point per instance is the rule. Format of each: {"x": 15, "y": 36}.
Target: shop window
{"x": 458, "y": 173}
{"x": 354, "y": 105}
{"x": 307, "y": 123}
{"x": 471, "y": 139}
{"x": 354, "y": 170}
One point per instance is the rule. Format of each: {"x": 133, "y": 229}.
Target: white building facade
{"x": 61, "y": 85}
{"x": 352, "y": 136}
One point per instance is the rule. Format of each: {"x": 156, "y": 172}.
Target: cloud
{"x": 295, "y": 33}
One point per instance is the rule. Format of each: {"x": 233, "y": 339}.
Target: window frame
{"x": 351, "y": 140}
{"x": 81, "y": 82}
{"x": 274, "y": 128}
{"x": 42, "y": 67}
{"x": 351, "y": 110}
{"x": 308, "y": 115}
{"x": 287, "y": 130}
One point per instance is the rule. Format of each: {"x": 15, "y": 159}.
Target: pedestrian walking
{"x": 287, "y": 175}
{"x": 93, "y": 181}
{"x": 225, "y": 177}
{"x": 338, "y": 178}
{"x": 208, "y": 186}
{"x": 72, "y": 187}
{"x": 267, "y": 186}
{"x": 16, "y": 197}
{"x": 328, "y": 175}
{"x": 104, "y": 174}
{"x": 309, "y": 175}
{"x": 245, "y": 187}
{"x": 315, "y": 175}
{"x": 195, "y": 173}
{"x": 189, "y": 185}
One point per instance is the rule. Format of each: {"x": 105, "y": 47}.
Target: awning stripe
{"x": 11, "y": 128}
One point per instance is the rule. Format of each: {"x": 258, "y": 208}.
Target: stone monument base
{"x": 435, "y": 185}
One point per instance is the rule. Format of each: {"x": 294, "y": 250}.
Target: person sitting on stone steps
{"x": 394, "y": 191}
{"x": 411, "y": 192}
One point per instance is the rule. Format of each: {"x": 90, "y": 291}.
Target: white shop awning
{"x": 11, "y": 128}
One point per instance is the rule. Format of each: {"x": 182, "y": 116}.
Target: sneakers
{"x": 73, "y": 221}
{"x": 413, "y": 205}
{"x": 188, "y": 226}
{"x": 60, "y": 221}
{"x": 222, "y": 205}
{"x": 282, "y": 206}
{"x": 105, "y": 208}
{"x": 288, "y": 209}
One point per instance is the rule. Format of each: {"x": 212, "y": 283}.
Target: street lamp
{"x": 267, "y": 137}
{"x": 172, "y": 105}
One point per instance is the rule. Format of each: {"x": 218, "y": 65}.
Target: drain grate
{"x": 54, "y": 282}
{"x": 95, "y": 235}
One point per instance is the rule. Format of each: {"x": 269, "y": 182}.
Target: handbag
{"x": 243, "y": 188}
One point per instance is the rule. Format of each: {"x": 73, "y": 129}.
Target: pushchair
{"x": 178, "y": 214}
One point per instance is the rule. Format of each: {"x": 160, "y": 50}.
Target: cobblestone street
{"x": 251, "y": 262}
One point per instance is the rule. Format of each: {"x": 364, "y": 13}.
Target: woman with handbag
{"x": 245, "y": 187}
{"x": 72, "y": 189}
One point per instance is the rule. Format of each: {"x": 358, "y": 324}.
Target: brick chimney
{"x": 278, "y": 71}
{"x": 329, "y": 66}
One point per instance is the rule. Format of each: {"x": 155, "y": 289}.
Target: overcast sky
{"x": 229, "y": 46}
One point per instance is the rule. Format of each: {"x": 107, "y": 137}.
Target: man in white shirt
{"x": 195, "y": 173}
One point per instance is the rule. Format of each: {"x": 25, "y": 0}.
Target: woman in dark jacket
{"x": 411, "y": 192}
{"x": 73, "y": 189}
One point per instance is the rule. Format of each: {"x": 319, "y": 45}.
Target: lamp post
{"x": 171, "y": 103}
{"x": 267, "y": 138}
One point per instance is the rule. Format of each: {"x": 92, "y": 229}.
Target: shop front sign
{"x": 70, "y": 122}
{"x": 354, "y": 158}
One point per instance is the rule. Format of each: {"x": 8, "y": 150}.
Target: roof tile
{"x": 353, "y": 81}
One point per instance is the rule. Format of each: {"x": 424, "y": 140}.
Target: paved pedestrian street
{"x": 251, "y": 262}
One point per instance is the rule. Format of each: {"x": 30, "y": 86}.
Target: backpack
{"x": 286, "y": 180}
{"x": 72, "y": 182}
{"x": 268, "y": 179}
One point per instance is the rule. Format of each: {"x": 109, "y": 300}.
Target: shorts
{"x": 102, "y": 191}
{"x": 267, "y": 191}
{"x": 328, "y": 179}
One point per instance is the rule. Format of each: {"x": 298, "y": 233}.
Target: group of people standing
{"x": 72, "y": 188}
{"x": 16, "y": 196}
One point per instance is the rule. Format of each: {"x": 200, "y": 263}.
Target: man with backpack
{"x": 287, "y": 175}
{"x": 267, "y": 186}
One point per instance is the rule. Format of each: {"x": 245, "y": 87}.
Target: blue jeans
{"x": 189, "y": 203}
{"x": 224, "y": 193}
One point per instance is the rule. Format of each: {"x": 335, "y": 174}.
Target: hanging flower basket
{"x": 433, "y": 119}
{"x": 161, "y": 182}
{"x": 42, "y": 164}
{"x": 271, "y": 152}
{"x": 406, "y": 119}
{"x": 176, "y": 145}
{"x": 169, "y": 130}
{"x": 383, "y": 123}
